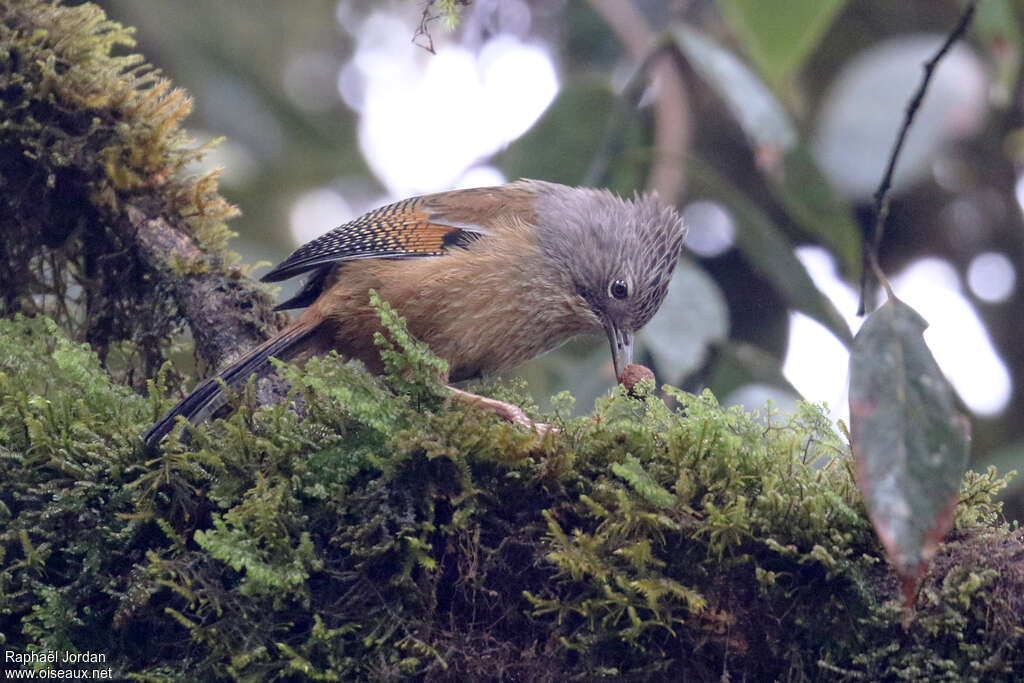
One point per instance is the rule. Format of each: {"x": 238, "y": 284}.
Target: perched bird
{"x": 487, "y": 277}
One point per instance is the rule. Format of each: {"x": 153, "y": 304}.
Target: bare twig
{"x": 423, "y": 30}
{"x": 422, "y": 35}
{"x": 882, "y": 197}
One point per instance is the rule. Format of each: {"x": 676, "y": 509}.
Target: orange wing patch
{"x": 397, "y": 230}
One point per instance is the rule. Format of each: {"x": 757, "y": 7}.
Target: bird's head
{"x": 619, "y": 255}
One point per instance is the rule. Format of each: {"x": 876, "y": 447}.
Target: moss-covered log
{"x": 389, "y": 534}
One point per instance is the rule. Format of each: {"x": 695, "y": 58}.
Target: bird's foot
{"x": 505, "y": 410}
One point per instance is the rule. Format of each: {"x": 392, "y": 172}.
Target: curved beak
{"x": 622, "y": 347}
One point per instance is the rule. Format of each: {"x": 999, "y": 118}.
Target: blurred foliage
{"x": 234, "y": 61}
{"x": 779, "y": 37}
{"x": 578, "y": 117}
{"x": 394, "y": 534}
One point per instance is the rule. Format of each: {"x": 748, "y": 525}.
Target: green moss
{"x": 86, "y": 130}
{"x": 390, "y": 532}
{"x": 382, "y": 530}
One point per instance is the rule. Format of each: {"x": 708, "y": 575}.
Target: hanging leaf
{"x": 909, "y": 441}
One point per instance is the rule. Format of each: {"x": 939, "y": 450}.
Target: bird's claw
{"x": 507, "y": 411}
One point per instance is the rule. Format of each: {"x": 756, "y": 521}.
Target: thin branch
{"x": 423, "y": 30}
{"x": 879, "y": 274}
{"x": 882, "y": 197}
{"x": 422, "y": 35}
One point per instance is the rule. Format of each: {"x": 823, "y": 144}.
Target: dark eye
{"x": 618, "y": 289}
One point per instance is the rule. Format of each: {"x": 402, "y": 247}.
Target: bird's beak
{"x": 622, "y": 348}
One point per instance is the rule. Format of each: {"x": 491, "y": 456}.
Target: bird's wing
{"x": 421, "y": 226}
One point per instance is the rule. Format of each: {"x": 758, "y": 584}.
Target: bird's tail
{"x": 207, "y": 397}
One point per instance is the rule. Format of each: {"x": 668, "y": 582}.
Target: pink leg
{"x": 507, "y": 411}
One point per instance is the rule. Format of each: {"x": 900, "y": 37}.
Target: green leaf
{"x": 751, "y": 103}
{"x": 997, "y": 28}
{"x": 768, "y": 250}
{"x": 779, "y": 36}
{"x": 909, "y": 442}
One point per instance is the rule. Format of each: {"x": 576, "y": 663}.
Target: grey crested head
{"x": 619, "y": 253}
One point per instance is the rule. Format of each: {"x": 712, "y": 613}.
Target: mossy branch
{"x": 102, "y": 231}
{"x": 382, "y": 537}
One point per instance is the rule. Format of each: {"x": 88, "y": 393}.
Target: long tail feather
{"x": 207, "y": 397}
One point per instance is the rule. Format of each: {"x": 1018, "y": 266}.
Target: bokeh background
{"x": 769, "y": 125}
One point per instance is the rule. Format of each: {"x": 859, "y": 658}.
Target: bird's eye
{"x": 618, "y": 289}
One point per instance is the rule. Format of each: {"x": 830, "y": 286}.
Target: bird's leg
{"x": 507, "y": 411}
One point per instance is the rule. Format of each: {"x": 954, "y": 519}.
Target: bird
{"x": 487, "y": 277}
